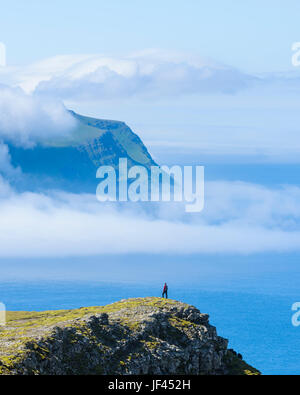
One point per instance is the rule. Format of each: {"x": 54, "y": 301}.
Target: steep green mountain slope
{"x": 70, "y": 162}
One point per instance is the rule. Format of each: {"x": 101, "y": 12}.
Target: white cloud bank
{"x": 239, "y": 218}
{"x": 26, "y": 119}
{"x": 148, "y": 73}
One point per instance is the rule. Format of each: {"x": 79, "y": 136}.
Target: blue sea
{"x": 258, "y": 325}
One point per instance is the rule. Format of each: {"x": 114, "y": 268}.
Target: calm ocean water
{"x": 258, "y": 326}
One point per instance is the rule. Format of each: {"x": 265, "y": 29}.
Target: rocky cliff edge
{"x": 135, "y": 336}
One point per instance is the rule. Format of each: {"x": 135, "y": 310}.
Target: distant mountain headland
{"x": 70, "y": 161}
{"x": 135, "y": 336}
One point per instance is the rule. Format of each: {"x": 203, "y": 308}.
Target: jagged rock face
{"x": 137, "y": 336}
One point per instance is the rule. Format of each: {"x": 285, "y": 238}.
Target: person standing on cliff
{"x": 165, "y": 291}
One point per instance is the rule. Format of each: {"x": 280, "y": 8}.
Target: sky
{"x": 200, "y": 82}
{"x": 254, "y": 36}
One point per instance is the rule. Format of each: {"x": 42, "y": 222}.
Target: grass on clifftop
{"x": 23, "y": 326}
{"x": 45, "y": 318}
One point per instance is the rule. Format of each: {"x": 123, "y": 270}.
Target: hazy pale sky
{"x": 251, "y": 35}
